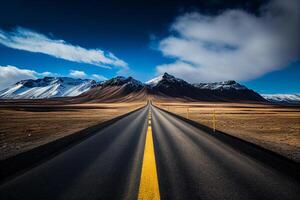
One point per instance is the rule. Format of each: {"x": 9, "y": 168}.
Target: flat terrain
{"x": 191, "y": 164}
{"x": 276, "y": 128}
{"x": 23, "y": 127}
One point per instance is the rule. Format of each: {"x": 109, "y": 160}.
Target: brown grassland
{"x": 23, "y": 127}
{"x": 276, "y": 128}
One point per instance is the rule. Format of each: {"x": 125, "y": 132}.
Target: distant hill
{"x": 230, "y": 90}
{"x": 283, "y": 98}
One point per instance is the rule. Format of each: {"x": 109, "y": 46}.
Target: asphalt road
{"x": 191, "y": 164}
{"x": 105, "y": 166}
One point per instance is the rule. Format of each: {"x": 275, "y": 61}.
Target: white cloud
{"x": 28, "y": 40}
{"x": 98, "y": 77}
{"x": 48, "y": 74}
{"x": 78, "y": 74}
{"x": 10, "y": 75}
{"x": 82, "y": 74}
{"x": 233, "y": 45}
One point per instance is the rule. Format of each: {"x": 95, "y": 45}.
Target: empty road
{"x": 150, "y": 154}
{"x": 192, "y": 164}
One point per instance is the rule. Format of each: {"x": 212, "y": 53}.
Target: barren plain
{"x": 23, "y": 127}
{"x": 273, "y": 127}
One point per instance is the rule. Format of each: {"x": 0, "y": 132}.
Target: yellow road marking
{"x": 149, "y": 182}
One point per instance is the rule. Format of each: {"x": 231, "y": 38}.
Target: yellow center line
{"x": 149, "y": 188}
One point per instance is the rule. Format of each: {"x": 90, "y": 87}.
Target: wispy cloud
{"x": 28, "y": 40}
{"x": 78, "y": 74}
{"x": 48, "y": 74}
{"x": 98, "y": 77}
{"x": 233, "y": 45}
{"x": 82, "y": 74}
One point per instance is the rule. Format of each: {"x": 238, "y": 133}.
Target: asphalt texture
{"x": 191, "y": 164}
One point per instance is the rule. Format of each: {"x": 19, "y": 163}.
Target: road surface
{"x": 192, "y": 164}
{"x": 154, "y": 150}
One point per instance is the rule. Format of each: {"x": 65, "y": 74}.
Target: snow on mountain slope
{"x": 283, "y": 98}
{"x": 46, "y": 88}
{"x": 154, "y": 81}
{"x": 120, "y": 81}
{"x": 225, "y": 85}
{"x": 231, "y": 90}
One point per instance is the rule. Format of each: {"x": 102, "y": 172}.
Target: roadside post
{"x": 214, "y": 120}
{"x": 187, "y": 113}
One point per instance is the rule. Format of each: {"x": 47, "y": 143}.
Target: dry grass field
{"x": 24, "y": 127}
{"x": 276, "y": 128}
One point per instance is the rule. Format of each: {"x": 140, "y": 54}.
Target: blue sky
{"x": 146, "y": 39}
{"x": 282, "y": 81}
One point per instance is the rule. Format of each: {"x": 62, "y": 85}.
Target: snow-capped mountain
{"x": 283, "y": 98}
{"x": 230, "y": 90}
{"x": 166, "y": 80}
{"x": 47, "y": 87}
{"x": 220, "y": 91}
{"x": 169, "y": 85}
{"x": 121, "y": 81}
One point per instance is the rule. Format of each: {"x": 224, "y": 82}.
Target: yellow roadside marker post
{"x": 149, "y": 189}
{"x": 214, "y": 120}
{"x": 187, "y": 113}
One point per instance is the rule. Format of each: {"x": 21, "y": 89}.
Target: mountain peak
{"x": 166, "y": 80}
{"x": 229, "y": 82}
{"x": 120, "y": 80}
{"x": 167, "y": 76}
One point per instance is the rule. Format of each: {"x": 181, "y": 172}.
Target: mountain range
{"x": 47, "y": 87}
{"x": 283, "y": 98}
{"x": 121, "y": 89}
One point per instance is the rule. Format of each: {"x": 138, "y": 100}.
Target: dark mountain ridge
{"x": 170, "y": 87}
